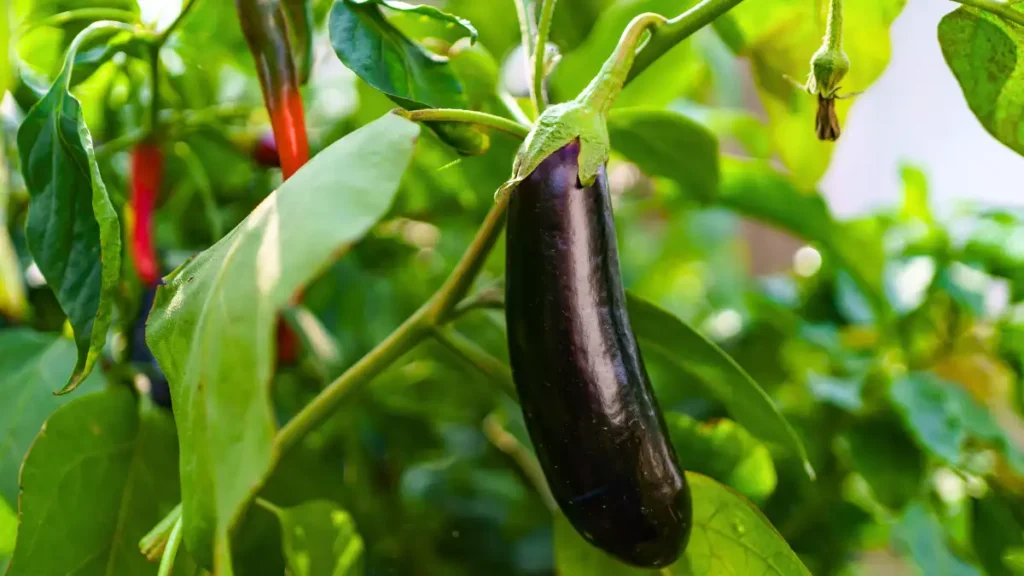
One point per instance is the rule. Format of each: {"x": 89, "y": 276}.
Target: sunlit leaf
{"x": 660, "y": 332}
{"x": 212, "y": 325}
{"x": 729, "y": 537}
{"x": 983, "y": 51}
{"x": 108, "y": 474}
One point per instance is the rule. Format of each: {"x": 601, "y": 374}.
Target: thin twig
{"x": 547, "y": 13}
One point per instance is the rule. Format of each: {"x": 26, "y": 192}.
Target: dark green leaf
{"x": 995, "y": 533}
{"x": 389, "y": 61}
{"x": 212, "y": 324}
{"x": 944, "y": 418}
{"x": 921, "y": 535}
{"x": 888, "y": 459}
{"x": 668, "y": 144}
{"x": 72, "y": 229}
{"x": 661, "y": 332}
{"x": 724, "y": 451}
{"x": 983, "y": 51}
{"x": 108, "y": 475}
{"x": 320, "y": 539}
{"x": 30, "y": 364}
{"x": 426, "y": 11}
{"x": 730, "y": 536}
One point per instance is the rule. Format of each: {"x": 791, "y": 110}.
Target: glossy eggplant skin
{"x": 586, "y": 398}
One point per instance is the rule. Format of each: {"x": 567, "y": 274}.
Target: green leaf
{"x": 426, "y": 11}
{"x": 921, "y": 535}
{"x": 659, "y": 331}
{"x": 96, "y": 479}
{"x": 944, "y": 418}
{"x": 724, "y": 451}
{"x": 995, "y": 533}
{"x": 30, "y": 363}
{"x": 13, "y": 301}
{"x": 389, "y": 61}
{"x": 780, "y": 38}
{"x": 730, "y": 536}
{"x": 890, "y": 462}
{"x": 983, "y": 50}
{"x": 755, "y": 189}
{"x": 320, "y": 539}
{"x": 668, "y": 144}
{"x": 72, "y": 228}
{"x": 212, "y": 325}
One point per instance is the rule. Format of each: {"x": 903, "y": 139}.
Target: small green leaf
{"x": 426, "y": 11}
{"x": 30, "y": 364}
{"x": 730, "y": 536}
{"x": 72, "y": 228}
{"x": 983, "y": 51}
{"x": 320, "y": 539}
{"x": 389, "y": 61}
{"x": 723, "y": 450}
{"x": 921, "y": 535}
{"x": 212, "y": 325}
{"x": 944, "y": 417}
{"x": 668, "y": 144}
{"x": 95, "y": 480}
{"x": 659, "y": 331}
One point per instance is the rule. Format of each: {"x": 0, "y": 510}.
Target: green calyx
{"x": 829, "y": 64}
{"x": 586, "y": 117}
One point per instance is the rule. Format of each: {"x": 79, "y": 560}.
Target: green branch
{"x": 674, "y": 31}
{"x": 547, "y": 13}
{"x": 490, "y": 367}
{"x": 1001, "y": 9}
{"x": 185, "y": 9}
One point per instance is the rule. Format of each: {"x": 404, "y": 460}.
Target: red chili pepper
{"x": 266, "y": 33}
{"x": 146, "y": 176}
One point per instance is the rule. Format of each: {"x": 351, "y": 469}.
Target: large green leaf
{"x": 660, "y": 332}
{"x": 320, "y": 539}
{"x": 661, "y": 83}
{"x": 30, "y": 364}
{"x": 427, "y": 12}
{"x": 724, "y": 451}
{"x": 780, "y": 38}
{"x": 72, "y": 228}
{"x": 212, "y": 325}
{"x": 944, "y": 419}
{"x": 666, "y": 143}
{"x": 730, "y": 536}
{"x": 755, "y": 189}
{"x": 985, "y": 53}
{"x": 389, "y": 61}
{"x": 93, "y": 483}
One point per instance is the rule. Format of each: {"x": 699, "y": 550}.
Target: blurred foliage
{"x": 893, "y": 345}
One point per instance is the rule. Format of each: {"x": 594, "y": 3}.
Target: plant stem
{"x": 602, "y": 90}
{"x": 547, "y": 13}
{"x": 526, "y": 31}
{"x": 507, "y": 443}
{"x": 493, "y": 369}
{"x": 676, "y": 30}
{"x": 154, "y": 99}
{"x": 167, "y": 560}
{"x": 834, "y": 25}
{"x": 1001, "y": 9}
{"x": 467, "y": 117}
{"x": 185, "y": 8}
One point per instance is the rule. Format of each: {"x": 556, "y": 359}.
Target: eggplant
{"x": 585, "y": 394}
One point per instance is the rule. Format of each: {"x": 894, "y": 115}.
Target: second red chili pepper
{"x": 266, "y": 33}
{"x": 147, "y": 168}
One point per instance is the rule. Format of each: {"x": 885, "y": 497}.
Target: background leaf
{"x": 668, "y": 144}
{"x": 320, "y": 539}
{"x": 921, "y": 535}
{"x": 108, "y": 474}
{"x": 983, "y": 51}
{"x": 212, "y": 324}
{"x": 660, "y": 332}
